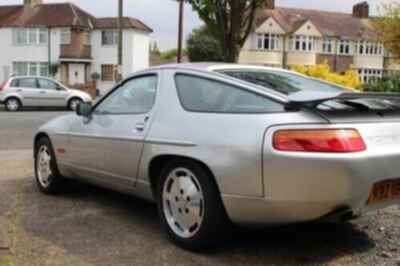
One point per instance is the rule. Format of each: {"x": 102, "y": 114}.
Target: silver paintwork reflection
{"x": 258, "y": 184}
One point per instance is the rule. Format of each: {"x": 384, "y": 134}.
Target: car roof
{"x": 34, "y": 77}
{"x": 211, "y": 67}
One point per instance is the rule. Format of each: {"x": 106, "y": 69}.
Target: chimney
{"x": 269, "y": 4}
{"x": 361, "y": 10}
{"x": 31, "y": 4}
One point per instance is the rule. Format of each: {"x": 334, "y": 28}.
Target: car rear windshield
{"x": 289, "y": 83}
{"x": 283, "y": 82}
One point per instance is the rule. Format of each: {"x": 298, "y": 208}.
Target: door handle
{"x": 19, "y": 90}
{"x": 140, "y": 126}
{"x": 42, "y": 92}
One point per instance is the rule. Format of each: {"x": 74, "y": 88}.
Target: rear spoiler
{"x": 314, "y": 98}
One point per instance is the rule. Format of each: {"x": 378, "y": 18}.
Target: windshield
{"x": 283, "y": 82}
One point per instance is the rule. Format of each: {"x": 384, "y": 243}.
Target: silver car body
{"x": 41, "y": 97}
{"x": 258, "y": 184}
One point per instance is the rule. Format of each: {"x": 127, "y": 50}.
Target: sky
{"x": 162, "y": 15}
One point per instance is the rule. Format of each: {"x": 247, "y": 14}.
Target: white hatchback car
{"x": 27, "y": 91}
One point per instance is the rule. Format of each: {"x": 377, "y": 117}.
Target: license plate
{"x": 385, "y": 191}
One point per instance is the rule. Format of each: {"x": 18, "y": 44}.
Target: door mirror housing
{"x": 84, "y": 109}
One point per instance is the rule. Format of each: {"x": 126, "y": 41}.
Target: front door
{"x": 109, "y": 144}
{"x": 28, "y": 88}
{"x": 55, "y": 95}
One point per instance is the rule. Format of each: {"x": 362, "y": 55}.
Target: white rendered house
{"x": 69, "y": 43}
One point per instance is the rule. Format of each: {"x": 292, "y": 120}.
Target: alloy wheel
{"x": 74, "y": 104}
{"x": 43, "y": 162}
{"x": 12, "y": 105}
{"x": 183, "y": 202}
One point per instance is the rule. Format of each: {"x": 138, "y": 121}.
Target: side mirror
{"x": 84, "y": 109}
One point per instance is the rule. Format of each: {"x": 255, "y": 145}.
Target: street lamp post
{"x": 180, "y": 30}
{"x": 120, "y": 38}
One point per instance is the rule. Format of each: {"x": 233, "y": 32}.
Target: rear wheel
{"x": 48, "y": 178}
{"x": 73, "y": 103}
{"x": 189, "y": 205}
{"x": 13, "y": 104}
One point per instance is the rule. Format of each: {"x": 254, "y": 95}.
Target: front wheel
{"x": 48, "y": 178}
{"x": 190, "y": 207}
{"x": 73, "y": 103}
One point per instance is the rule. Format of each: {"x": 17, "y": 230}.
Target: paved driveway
{"x": 91, "y": 226}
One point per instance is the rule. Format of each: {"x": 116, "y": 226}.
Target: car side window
{"x": 47, "y": 84}
{"x": 199, "y": 94}
{"x": 14, "y": 83}
{"x": 135, "y": 96}
{"x": 28, "y": 83}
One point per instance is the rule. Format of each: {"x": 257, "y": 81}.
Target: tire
{"x": 73, "y": 103}
{"x": 195, "y": 223}
{"x": 48, "y": 180}
{"x": 13, "y": 104}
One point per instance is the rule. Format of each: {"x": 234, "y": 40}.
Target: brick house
{"x": 37, "y": 35}
{"x": 288, "y": 36}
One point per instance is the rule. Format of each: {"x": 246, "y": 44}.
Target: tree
{"x": 229, "y": 21}
{"x": 388, "y": 27}
{"x": 202, "y": 46}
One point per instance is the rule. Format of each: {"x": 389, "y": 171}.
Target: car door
{"x": 54, "y": 94}
{"x": 29, "y": 90}
{"x": 108, "y": 145}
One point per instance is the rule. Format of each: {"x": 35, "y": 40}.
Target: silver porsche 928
{"x": 213, "y": 144}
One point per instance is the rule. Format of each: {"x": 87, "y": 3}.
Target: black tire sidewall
{"x": 212, "y": 229}
{"x": 73, "y": 99}
{"x": 13, "y": 98}
{"x": 55, "y": 180}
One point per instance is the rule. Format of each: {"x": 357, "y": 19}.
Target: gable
{"x": 308, "y": 29}
{"x": 270, "y": 26}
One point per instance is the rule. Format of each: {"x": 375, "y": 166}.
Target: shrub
{"x": 391, "y": 84}
{"x": 323, "y": 71}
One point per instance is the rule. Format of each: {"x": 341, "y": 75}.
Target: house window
{"x": 370, "y": 48}
{"x": 370, "y": 75}
{"x": 268, "y": 42}
{"x": 65, "y": 36}
{"x": 327, "y": 46}
{"x": 31, "y": 69}
{"x": 108, "y": 72}
{"x": 88, "y": 37}
{"x": 30, "y": 36}
{"x": 43, "y": 36}
{"x": 109, "y": 37}
{"x": 344, "y": 47}
{"x": 302, "y": 43}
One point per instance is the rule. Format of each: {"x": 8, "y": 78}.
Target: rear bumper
{"x": 301, "y": 187}
{"x": 260, "y": 212}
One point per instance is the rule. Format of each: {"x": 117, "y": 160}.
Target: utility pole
{"x": 120, "y": 38}
{"x": 180, "y": 30}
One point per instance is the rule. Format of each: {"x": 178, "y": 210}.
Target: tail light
{"x": 2, "y": 85}
{"x": 319, "y": 140}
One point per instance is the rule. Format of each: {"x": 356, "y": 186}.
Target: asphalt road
{"x": 17, "y": 129}
{"x": 91, "y": 226}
